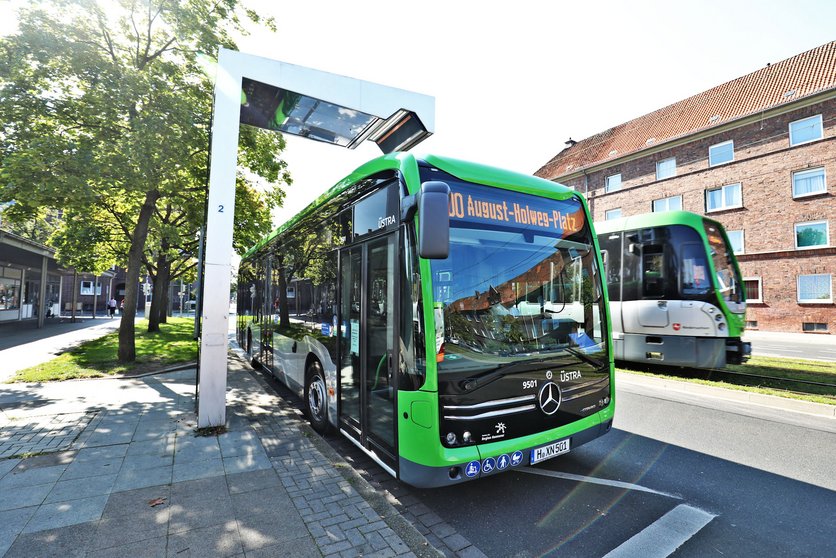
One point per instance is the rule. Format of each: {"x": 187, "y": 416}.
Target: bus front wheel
{"x": 315, "y": 397}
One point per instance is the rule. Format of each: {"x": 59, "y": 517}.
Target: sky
{"x": 513, "y": 81}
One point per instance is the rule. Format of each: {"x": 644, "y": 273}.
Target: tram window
{"x": 653, "y": 271}
{"x": 694, "y": 270}
{"x": 611, "y": 254}
{"x": 630, "y": 263}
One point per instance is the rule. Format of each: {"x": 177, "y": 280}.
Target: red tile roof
{"x": 786, "y": 82}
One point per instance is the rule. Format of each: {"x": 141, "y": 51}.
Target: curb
{"x": 174, "y": 368}
{"x": 760, "y": 399}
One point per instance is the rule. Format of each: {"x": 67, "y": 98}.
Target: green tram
{"x": 675, "y": 291}
{"x": 449, "y": 318}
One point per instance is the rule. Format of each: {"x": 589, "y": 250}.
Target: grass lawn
{"x": 785, "y": 368}
{"x": 173, "y": 344}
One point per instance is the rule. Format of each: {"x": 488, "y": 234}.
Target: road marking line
{"x": 594, "y": 480}
{"x": 662, "y": 537}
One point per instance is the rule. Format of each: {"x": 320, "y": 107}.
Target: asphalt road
{"x": 681, "y": 475}
{"x": 816, "y": 347}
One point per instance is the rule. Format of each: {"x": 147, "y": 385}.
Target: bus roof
{"x": 657, "y": 219}
{"x": 408, "y": 164}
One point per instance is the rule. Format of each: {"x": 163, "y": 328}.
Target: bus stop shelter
{"x": 290, "y": 99}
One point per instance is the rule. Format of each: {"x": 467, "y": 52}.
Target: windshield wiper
{"x": 472, "y": 383}
{"x": 584, "y": 357}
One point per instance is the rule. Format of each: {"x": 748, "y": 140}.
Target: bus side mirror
{"x": 433, "y": 209}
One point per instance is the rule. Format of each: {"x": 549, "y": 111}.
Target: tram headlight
{"x": 721, "y": 327}
{"x": 718, "y": 317}
{"x": 451, "y": 438}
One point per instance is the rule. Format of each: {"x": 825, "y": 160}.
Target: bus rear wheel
{"x": 316, "y": 400}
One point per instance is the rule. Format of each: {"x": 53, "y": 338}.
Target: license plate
{"x": 547, "y": 452}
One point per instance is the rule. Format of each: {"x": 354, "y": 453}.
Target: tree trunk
{"x": 127, "y": 342}
{"x": 159, "y": 299}
{"x": 166, "y": 289}
{"x": 75, "y": 295}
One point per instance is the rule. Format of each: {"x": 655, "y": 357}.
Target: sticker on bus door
{"x": 355, "y": 337}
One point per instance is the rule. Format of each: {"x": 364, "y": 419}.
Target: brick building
{"x": 757, "y": 154}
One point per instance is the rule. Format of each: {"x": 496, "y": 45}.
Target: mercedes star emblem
{"x": 549, "y": 398}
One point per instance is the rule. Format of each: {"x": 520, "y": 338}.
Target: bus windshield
{"x": 727, "y": 278}
{"x": 520, "y": 283}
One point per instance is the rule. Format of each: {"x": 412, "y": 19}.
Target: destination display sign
{"x": 473, "y": 204}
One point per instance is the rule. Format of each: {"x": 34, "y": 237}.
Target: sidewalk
{"x": 23, "y": 345}
{"x": 123, "y": 473}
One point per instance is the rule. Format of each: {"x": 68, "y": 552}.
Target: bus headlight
{"x": 451, "y": 438}
{"x": 466, "y": 437}
{"x": 721, "y": 327}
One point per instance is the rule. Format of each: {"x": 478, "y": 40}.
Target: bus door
{"x": 368, "y": 357}
{"x": 267, "y": 316}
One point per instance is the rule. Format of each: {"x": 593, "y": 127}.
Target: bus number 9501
{"x": 529, "y": 384}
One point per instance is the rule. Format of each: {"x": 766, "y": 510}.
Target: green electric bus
{"x": 449, "y": 318}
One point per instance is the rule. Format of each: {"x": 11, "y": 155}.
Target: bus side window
{"x": 411, "y": 365}
{"x": 653, "y": 271}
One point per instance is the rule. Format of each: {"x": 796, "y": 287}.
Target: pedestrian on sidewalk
{"x": 111, "y": 307}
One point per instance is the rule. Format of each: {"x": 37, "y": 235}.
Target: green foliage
{"x": 105, "y": 106}
{"x": 173, "y": 344}
{"x": 107, "y": 116}
{"x": 86, "y": 240}
{"x": 37, "y": 226}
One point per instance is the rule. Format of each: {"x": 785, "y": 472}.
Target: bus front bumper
{"x": 423, "y": 476}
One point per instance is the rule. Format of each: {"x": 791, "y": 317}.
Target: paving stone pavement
{"x": 38, "y": 434}
{"x": 131, "y": 477}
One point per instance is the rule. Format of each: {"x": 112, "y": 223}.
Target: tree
{"x": 111, "y": 109}
{"x": 37, "y": 227}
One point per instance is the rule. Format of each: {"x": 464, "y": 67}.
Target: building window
{"x": 9, "y": 293}
{"x": 612, "y": 214}
{"x": 666, "y": 168}
{"x": 808, "y": 183}
{"x": 725, "y": 197}
{"x": 736, "y": 241}
{"x": 613, "y": 183}
{"x": 752, "y": 285}
{"x": 721, "y": 153}
{"x": 807, "y": 129}
{"x": 813, "y": 326}
{"x": 673, "y": 203}
{"x": 811, "y": 235}
{"x": 751, "y": 324}
{"x": 815, "y": 288}
{"x": 87, "y": 288}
